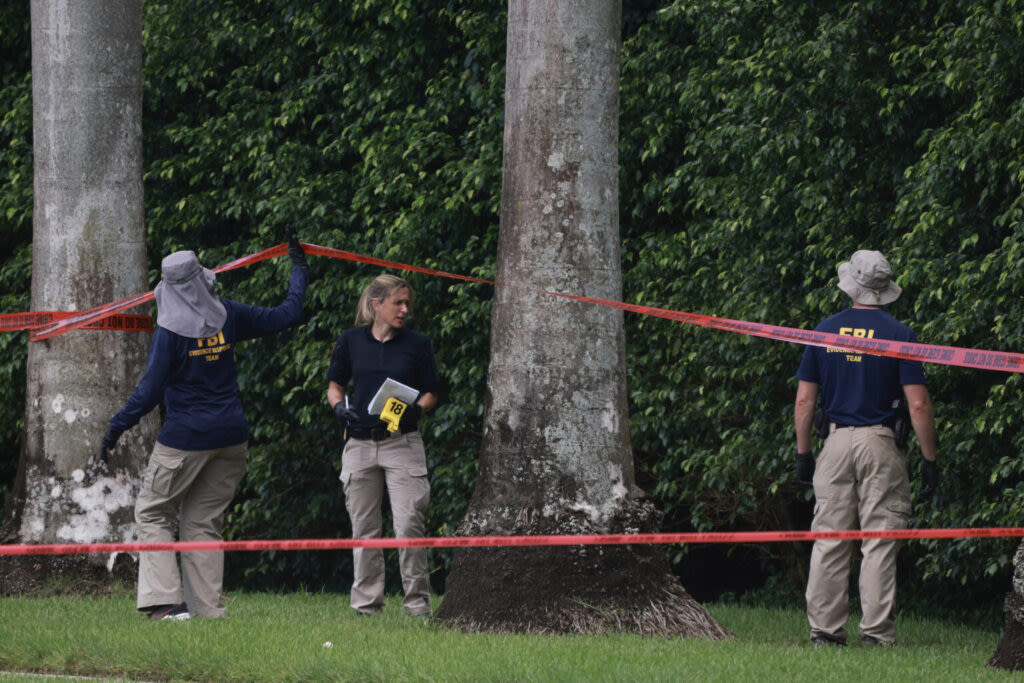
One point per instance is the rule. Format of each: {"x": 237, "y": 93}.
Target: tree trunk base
{"x": 1009, "y": 653}
{"x": 588, "y": 590}
{"x": 48, "y": 575}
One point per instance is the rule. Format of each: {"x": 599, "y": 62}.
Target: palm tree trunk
{"x": 555, "y": 457}
{"x": 88, "y": 249}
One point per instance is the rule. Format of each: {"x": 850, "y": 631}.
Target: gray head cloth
{"x": 867, "y": 278}
{"x": 185, "y": 302}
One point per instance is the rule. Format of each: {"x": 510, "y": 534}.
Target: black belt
{"x": 375, "y": 433}
{"x": 887, "y": 423}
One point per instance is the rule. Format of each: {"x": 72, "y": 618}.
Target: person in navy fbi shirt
{"x": 860, "y": 478}
{"x": 201, "y": 451}
{"x": 378, "y": 348}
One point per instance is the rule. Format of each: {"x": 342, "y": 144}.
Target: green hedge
{"x": 761, "y": 144}
{"x": 15, "y": 225}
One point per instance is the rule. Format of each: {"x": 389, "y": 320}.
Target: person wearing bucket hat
{"x": 860, "y": 477}
{"x": 200, "y": 453}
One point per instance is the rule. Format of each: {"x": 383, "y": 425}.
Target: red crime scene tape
{"x": 511, "y": 541}
{"x": 946, "y": 355}
{"x": 79, "y": 320}
{"x": 26, "y": 321}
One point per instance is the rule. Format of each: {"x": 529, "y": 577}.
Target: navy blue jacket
{"x": 197, "y": 378}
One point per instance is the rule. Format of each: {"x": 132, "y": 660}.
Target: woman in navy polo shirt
{"x": 377, "y": 348}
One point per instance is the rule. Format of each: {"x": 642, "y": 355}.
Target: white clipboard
{"x": 391, "y": 388}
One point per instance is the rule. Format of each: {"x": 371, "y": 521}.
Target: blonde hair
{"x": 381, "y": 288}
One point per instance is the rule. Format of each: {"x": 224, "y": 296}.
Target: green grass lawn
{"x": 283, "y": 638}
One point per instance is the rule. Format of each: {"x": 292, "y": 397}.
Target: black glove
{"x": 929, "y": 477}
{"x": 295, "y": 252}
{"x": 346, "y": 416}
{"x": 805, "y": 468}
{"x": 411, "y": 415}
{"x": 108, "y": 443}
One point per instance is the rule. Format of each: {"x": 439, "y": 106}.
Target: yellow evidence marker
{"x": 392, "y": 413}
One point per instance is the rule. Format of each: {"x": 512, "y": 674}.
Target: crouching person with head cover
{"x": 200, "y": 453}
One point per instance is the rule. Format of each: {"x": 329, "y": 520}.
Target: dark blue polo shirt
{"x": 859, "y": 388}
{"x": 407, "y": 357}
{"x": 197, "y": 379}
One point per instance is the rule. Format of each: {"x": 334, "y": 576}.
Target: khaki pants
{"x": 399, "y": 463}
{"x": 860, "y": 481}
{"x": 184, "y": 495}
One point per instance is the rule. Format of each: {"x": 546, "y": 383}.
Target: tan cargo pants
{"x": 184, "y": 496}
{"x": 860, "y": 481}
{"x": 400, "y": 463}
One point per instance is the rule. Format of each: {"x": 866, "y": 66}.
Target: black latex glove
{"x": 929, "y": 477}
{"x": 805, "y": 468}
{"x": 346, "y": 416}
{"x": 295, "y": 252}
{"x": 411, "y": 415}
{"x": 108, "y": 443}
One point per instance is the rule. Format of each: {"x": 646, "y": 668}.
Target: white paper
{"x": 391, "y": 388}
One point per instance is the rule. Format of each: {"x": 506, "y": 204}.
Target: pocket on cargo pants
{"x": 160, "y": 474}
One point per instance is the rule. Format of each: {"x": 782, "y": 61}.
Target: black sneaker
{"x": 822, "y": 641}
{"x": 177, "y": 612}
{"x": 155, "y": 610}
{"x": 871, "y": 641}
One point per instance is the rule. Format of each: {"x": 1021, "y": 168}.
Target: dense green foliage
{"x": 761, "y": 144}
{"x": 15, "y": 224}
{"x": 760, "y": 150}
{"x": 372, "y": 135}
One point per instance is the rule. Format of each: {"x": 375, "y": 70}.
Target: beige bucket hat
{"x": 867, "y": 278}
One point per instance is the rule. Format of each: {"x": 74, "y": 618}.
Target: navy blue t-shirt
{"x": 859, "y": 388}
{"x": 407, "y": 357}
{"x": 197, "y": 378}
